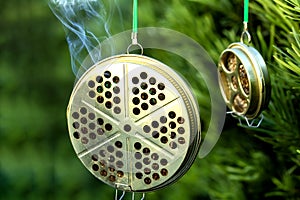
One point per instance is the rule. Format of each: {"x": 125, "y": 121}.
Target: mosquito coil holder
{"x": 244, "y": 80}
{"x": 134, "y": 123}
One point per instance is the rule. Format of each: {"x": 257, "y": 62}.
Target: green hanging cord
{"x": 245, "y": 33}
{"x": 135, "y": 16}
{"x": 246, "y": 10}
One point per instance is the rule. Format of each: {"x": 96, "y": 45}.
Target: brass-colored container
{"x": 134, "y": 123}
{"x": 244, "y": 80}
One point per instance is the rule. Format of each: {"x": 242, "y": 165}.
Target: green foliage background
{"x": 37, "y": 160}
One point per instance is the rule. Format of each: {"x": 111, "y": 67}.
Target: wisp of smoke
{"x": 87, "y": 23}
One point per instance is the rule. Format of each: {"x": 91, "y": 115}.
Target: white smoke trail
{"x": 87, "y": 23}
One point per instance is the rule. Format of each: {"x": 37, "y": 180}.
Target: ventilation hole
{"x": 92, "y": 126}
{"x": 99, "y": 79}
{"x": 75, "y": 125}
{"x": 181, "y": 140}
{"x": 139, "y": 175}
{"x": 152, "y": 81}
{"x": 144, "y": 96}
{"x": 152, "y": 91}
{"x": 102, "y": 153}
{"x": 103, "y": 173}
{"x": 95, "y": 157}
{"x": 107, "y": 84}
{"x": 147, "y": 171}
{"x": 144, "y": 106}
{"x": 111, "y": 158}
{"x": 117, "y": 100}
{"x": 112, "y": 178}
{"x": 84, "y": 130}
{"x": 137, "y": 146}
{"x": 164, "y": 139}
{"x": 91, "y": 84}
{"x": 107, "y": 74}
{"x": 173, "y": 135}
{"x": 100, "y": 99}
{"x": 163, "y": 162}
{"x": 180, "y": 120}
{"x": 144, "y": 86}
{"x": 146, "y": 161}
{"x": 161, "y": 96}
{"x": 112, "y": 168}
{"x": 172, "y": 125}
{"x": 116, "y": 90}
{"x": 84, "y": 140}
{"x": 155, "y": 156}
{"x": 100, "y": 121}
{"x": 146, "y": 151}
{"x": 172, "y": 114}
{"x": 138, "y": 165}
{"x": 100, "y": 131}
{"x": 95, "y": 167}
{"x": 119, "y": 164}
{"x": 83, "y": 120}
{"x": 108, "y": 105}
{"x": 110, "y": 148}
{"x": 161, "y": 86}
{"x": 119, "y": 154}
{"x": 117, "y": 110}
{"x": 173, "y": 145}
{"x": 146, "y": 129}
{"x": 108, "y": 94}
{"x": 116, "y": 79}
{"x": 181, "y": 130}
{"x": 103, "y": 163}
{"x": 153, "y": 101}
{"x": 135, "y": 80}
{"x": 118, "y": 144}
{"x": 143, "y": 75}
{"x": 92, "y": 136}
{"x": 163, "y": 129}
{"x": 75, "y": 115}
{"x": 138, "y": 155}
{"x": 164, "y": 172}
{"x": 155, "y": 124}
{"x": 108, "y": 127}
{"x": 120, "y": 174}
{"x": 155, "y": 166}
{"x": 127, "y": 127}
{"x": 92, "y": 94}
{"x": 83, "y": 111}
{"x": 76, "y": 135}
{"x": 100, "y": 89}
{"x": 136, "y": 111}
{"x": 92, "y": 116}
{"x": 155, "y": 134}
{"x": 163, "y": 119}
{"x": 155, "y": 176}
{"x": 135, "y": 90}
{"x": 136, "y": 101}
{"x": 147, "y": 181}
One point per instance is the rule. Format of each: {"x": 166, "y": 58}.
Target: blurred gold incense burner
{"x": 244, "y": 80}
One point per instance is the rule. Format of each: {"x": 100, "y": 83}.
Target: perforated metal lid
{"x": 134, "y": 123}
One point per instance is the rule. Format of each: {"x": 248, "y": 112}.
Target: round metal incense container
{"x": 244, "y": 80}
{"x": 134, "y": 123}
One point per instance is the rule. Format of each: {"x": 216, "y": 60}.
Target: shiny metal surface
{"x": 244, "y": 80}
{"x": 134, "y": 123}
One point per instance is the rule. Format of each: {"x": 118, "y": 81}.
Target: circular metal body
{"x": 134, "y": 123}
{"x": 244, "y": 80}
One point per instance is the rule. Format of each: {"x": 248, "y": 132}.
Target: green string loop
{"x": 135, "y": 16}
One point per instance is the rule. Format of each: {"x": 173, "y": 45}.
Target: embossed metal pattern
{"x": 134, "y": 123}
